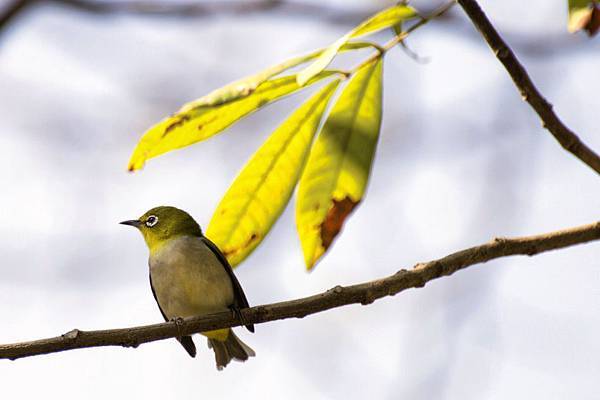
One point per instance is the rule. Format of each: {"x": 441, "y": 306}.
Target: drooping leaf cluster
{"x": 331, "y": 171}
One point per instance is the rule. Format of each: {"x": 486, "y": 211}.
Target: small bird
{"x": 190, "y": 277}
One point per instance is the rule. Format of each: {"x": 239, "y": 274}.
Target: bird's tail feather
{"x": 230, "y": 349}
{"x": 188, "y": 345}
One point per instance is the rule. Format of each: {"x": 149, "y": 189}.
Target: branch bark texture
{"x": 567, "y": 138}
{"x": 363, "y": 293}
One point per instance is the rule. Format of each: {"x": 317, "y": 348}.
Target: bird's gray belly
{"x": 189, "y": 280}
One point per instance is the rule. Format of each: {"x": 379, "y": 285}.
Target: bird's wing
{"x": 240, "y": 300}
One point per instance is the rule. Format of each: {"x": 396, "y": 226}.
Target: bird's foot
{"x": 236, "y": 313}
{"x": 178, "y": 321}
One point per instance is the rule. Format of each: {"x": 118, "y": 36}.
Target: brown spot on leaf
{"x": 228, "y": 252}
{"x": 208, "y": 121}
{"x": 246, "y": 91}
{"x": 234, "y": 250}
{"x": 334, "y": 220}
{"x": 252, "y": 239}
{"x": 178, "y": 122}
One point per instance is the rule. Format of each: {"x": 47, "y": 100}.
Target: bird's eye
{"x": 151, "y": 221}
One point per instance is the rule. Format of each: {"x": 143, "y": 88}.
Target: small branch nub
{"x": 71, "y": 335}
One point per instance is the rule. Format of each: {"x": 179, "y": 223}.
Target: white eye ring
{"x": 151, "y": 221}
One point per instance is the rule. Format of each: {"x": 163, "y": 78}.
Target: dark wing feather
{"x": 240, "y": 300}
{"x": 186, "y": 341}
{"x": 156, "y": 298}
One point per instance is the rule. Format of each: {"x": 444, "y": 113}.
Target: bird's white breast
{"x": 189, "y": 280}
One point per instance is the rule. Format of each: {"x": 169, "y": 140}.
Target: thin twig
{"x": 364, "y": 293}
{"x": 399, "y": 38}
{"x": 567, "y": 138}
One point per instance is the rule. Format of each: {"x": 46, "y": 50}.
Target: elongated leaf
{"x": 261, "y": 191}
{"x": 384, "y": 19}
{"x": 194, "y": 122}
{"x": 337, "y": 171}
{"x": 245, "y": 86}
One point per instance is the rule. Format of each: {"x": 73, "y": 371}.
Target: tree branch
{"x": 567, "y": 138}
{"x": 364, "y": 293}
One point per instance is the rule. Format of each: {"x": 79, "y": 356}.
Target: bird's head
{"x": 163, "y": 223}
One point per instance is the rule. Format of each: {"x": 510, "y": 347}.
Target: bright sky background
{"x": 461, "y": 160}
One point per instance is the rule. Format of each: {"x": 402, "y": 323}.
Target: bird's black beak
{"x": 132, "y": 222}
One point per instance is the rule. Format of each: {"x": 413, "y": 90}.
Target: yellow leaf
{"x": 261, "y": 191}
{"x": 245, "y": 86}
{"x": 337, "y": 171}
{"x": 195, "y": 121}
{"x": 384, "y": 19}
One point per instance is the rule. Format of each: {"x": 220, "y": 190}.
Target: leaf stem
{"x": 403, "y": 35}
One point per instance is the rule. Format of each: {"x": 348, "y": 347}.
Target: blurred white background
{"x": 461, "y": 159}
